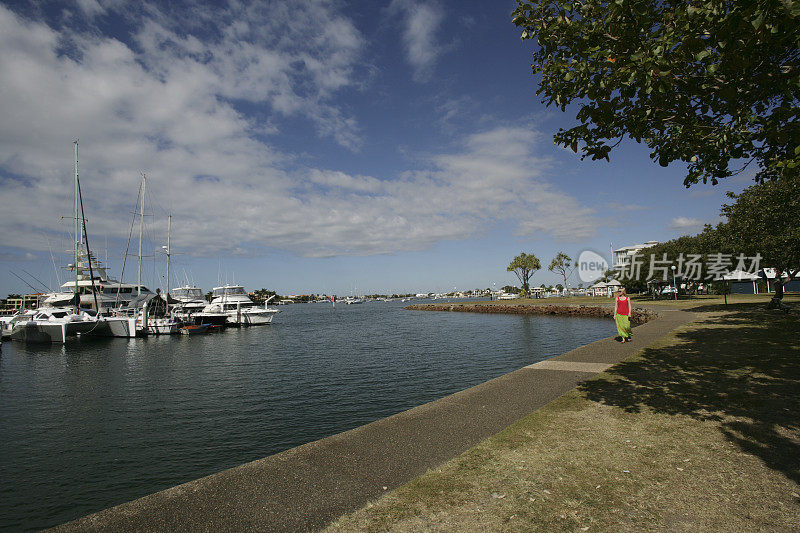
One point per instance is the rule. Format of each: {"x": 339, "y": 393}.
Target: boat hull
{"x": 250, "y": 318}
{"x": 215, "y": 319}
{"x": 36, "y": 332}
{"x": 163, "y": 328}
{"x": 123, "y": 327}
{"x": 195, "y": 329}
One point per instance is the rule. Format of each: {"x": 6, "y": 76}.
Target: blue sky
{"x": 317, "y": 146}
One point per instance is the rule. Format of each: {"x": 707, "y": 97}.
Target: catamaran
{"x": 49, "y": 323}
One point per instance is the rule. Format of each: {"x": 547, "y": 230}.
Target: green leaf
{"x": 758, "y": 21}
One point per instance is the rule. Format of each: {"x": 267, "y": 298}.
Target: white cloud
{"x": 686, "y": 225}
{"x": 421, "y": 24}
{"x": 164, "y": 108}
{"x": 17, "y": 257}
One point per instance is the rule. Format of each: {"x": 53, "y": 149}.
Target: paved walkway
{"x": 305, "y": 488}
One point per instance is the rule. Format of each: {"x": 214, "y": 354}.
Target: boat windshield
{"x": 220, "y": 291}
{"x": 190, "y": 293}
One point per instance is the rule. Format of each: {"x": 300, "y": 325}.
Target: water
{"x": 98, "y": 422}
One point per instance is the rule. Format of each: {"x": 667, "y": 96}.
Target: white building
{"x": 622, "y": 256}
{"x": 605, "y": 288}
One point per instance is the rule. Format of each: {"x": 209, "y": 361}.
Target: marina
{"x": 133, "y": 416}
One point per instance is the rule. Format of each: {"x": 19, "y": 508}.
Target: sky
{"x": 317, "y": 146}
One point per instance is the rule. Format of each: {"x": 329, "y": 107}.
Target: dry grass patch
{"x": 698, "y": 432}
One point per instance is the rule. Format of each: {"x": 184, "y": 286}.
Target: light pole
{"x": 674, "y": 283}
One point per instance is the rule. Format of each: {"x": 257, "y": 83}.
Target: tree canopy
{"x": 765, "y": 220}
{"x": 706, "y": 82}
{"x": 761, "y": 231}
{"x": 563, "y": 265}
{"x": 524, "y": 265}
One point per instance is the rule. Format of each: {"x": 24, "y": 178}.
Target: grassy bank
{"x": 699, "y": 431}
{"x": 691, "y": 302}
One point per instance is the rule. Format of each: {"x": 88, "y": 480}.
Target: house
{"x": 536, "y": 292}
{"x": 768, "y": 274}
{"x": 622, "y": 256}
{"x": 27, "y": 301}
{"x": 742, "y": 282}
{"x": 605, "y": 288}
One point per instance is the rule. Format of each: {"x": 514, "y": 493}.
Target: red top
{"x": 623, "y": 306}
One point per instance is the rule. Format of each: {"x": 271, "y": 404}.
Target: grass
{"x": 698, "y": 432}
{"x": 689, "y": 302}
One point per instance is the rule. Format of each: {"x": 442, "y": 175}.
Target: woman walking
{"x": 622, "y": 314}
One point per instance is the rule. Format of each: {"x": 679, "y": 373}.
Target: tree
{"x": 765, "y": 219}
{"x": 524, "y": 266}
{"x": 559, "y": 287}
{"x": 724, "y": 288}
{"x": 563, "y": 265}
{"x": 705, "y": 82}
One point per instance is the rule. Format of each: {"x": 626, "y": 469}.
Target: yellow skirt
{"x": 623, "y": 325}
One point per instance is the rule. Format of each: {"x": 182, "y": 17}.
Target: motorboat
{"x": 188, "y": 299}
{"x": 350, "y": 300}
{"x": 240, "y": 310}
{"x": 195, "y": 329}
{"x": 51, "y": 324}
{"x": 188, "y": 304}
{"x": 109, "y": 293}
{"x": 5, "y": 327}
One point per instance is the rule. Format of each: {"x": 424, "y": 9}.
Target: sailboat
{"x": 166, "y": 324}
{"x": 129, "y": 315}
{"x": 95, "y": 287}
{"x": 57, "y": 324}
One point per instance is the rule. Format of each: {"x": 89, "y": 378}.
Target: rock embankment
{"x": 639, "y": 315}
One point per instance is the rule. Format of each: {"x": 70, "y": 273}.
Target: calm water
{"x": 101, "y": 421}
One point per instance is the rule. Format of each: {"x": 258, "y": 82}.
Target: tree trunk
{"x": 778, "y": 288}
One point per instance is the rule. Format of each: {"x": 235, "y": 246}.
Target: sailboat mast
{"x": 169, "y": 231}
{"x": 77, "y": 233}
{"x": 141, "y": 231}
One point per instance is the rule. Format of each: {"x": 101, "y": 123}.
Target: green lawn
{"x": 697, "y": 432}
{"x": 702, "y": 302}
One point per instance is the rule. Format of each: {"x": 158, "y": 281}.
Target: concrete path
{"x": 306, "y": 488}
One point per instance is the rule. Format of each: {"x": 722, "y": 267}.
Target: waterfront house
{"x": 622, "y": 256}
{"x": 605, "y": 288}
{"x": 536, "y": 292}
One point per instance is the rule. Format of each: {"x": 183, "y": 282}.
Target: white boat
{"x": 92, "y": 284}
{"x": 109, "y": 292}
{"x": 240, "y": 310}
{"x": 5, "y": 328}
{"x": 188, "y": 300}
{"x": 51, "y": 324}
{"x": 161, "y": 326}
{"x": 350, "y": 300}
{"x": 190, "y": 307}
{"x": 117, "y": 326}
